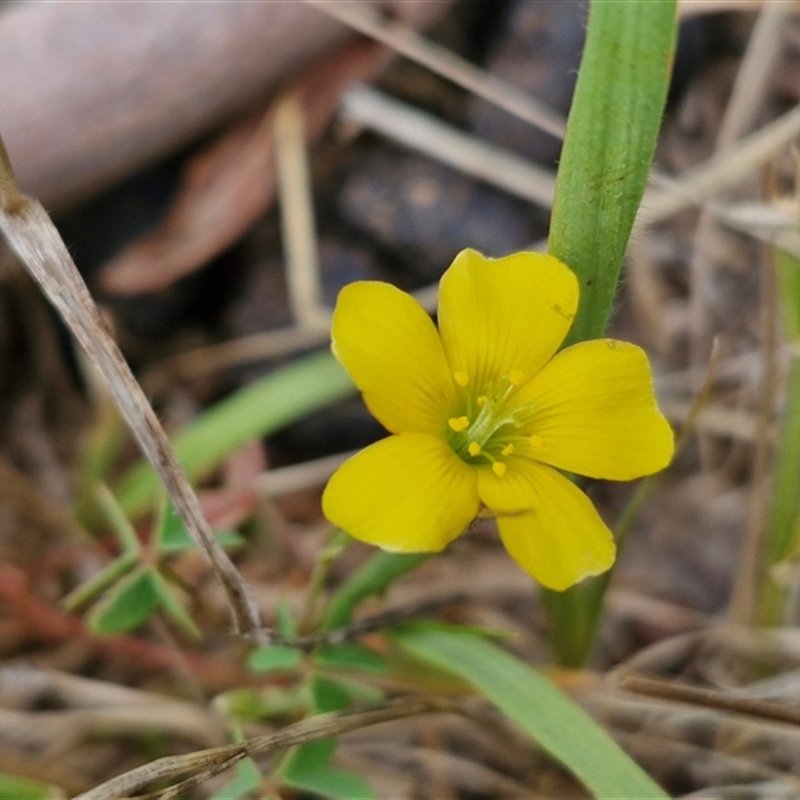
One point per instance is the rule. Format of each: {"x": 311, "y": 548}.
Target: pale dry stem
{"x": 38, "y": 245}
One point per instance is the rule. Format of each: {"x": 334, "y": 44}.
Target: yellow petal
{"x": 594, "y": 412}
{"x": 407, "y": 493}
{"x": 551, "y": 529}
{"x": 392, "y": 351}
{"x": 505, "y": 316}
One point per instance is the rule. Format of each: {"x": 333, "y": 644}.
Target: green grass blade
{"x": 284, "y": 396}
{"x": 551, "y": 718}
{"x": 785, "y": 512}
{"x": 14, "y": 788}
{"x": 783, "y": 521}
{"x": 373, "y": 577}
{"x": 609, "y": 145}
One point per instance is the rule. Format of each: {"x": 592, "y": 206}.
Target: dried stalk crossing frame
{"x": 31, "y": 234}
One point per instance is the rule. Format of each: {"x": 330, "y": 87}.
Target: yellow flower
{"x": 483, "y": 414}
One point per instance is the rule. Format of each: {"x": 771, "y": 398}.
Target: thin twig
{"x": 285, "y": 480}
{"x": 413, "y": 128}
{"x": 709, "y": 698}
{"x": 258, "y": 347}
{"x": 749, "y": 579}
{"x": 297, "y": 215}
{"x": 406, "y": 41}
{"x": 377, "y": 622}
{"x": 696, "y": 8}
{"x": 205, "y": 764}
{"x": 11, "y": 198}
{"x": 723, "y": 170}
{"x": 759, "y": 62}
{"x": 33, "y": 237}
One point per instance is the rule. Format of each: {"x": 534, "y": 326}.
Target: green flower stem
{"x": 337, "y": 543}
{"x": 611, "y": 136}
{"x": 609, "y": 145}
{"x": 377, "y": 573}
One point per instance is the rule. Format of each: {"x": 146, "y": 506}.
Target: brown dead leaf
{"x": 228, "y": 186}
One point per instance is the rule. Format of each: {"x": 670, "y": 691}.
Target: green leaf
{"x": 329, "y": 695}
{"x": 610, "y": 140}
{"x": 263, "y": 407}
{"x": 85, "y": 593}
{"x": 310, "y": 756}
{"x": 173, "y": 537}
{"x": 247, "y": 779}
{"x": 269, "y": 702}
{"x": 128, "y": 604}
{"x": 285, "y": 620}
{"x": 12, "y": 788}
{"x": 551, "y": 718}
{"x": 330, "y": 782}
{"x": 274, "y": 658}
{"x": 307, "y": 769}
{"x": 246, "y": 782}
{"x": 349, "y": 655}
{"x": 174, "y": 608}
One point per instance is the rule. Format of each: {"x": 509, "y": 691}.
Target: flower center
{"x": 490, "y": 429}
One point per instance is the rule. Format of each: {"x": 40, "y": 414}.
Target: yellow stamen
{"x": 515, "y": 377}
{"x": 461, "y": 378}
{"x": 507, "y": 450}
{"x": 474, "y": 449}
{"x": 499, "y": 468}
{"x": 458, "y": 424}
{"x": 536, "y": 440}
{"x": 482, "y": 401}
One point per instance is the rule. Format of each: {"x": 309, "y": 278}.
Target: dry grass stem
{"x": 759, "y": 62}
{"x": 710, "y": 698}
{"x": 696, "y": 8}
{"x": 723, "y": 170}
{"x": 203, "y": 361}
{"x": 428, "y": 135}
{"x": 205, "y": 764}
{"x": 33, "y": 237}
{"x": 306, "y": 475}
{"x": 406, "y": 41}
{"x": 297, "y": 215}
{"x": 750, "y": 575}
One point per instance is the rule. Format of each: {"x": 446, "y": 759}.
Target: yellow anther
{"x": 482, "y": 401}
{"x": 474, "y": 449}
{"x": 507, "y": 450}
{"x": 499, "y": 468}
{"x": 458, "y": 424}
{"x": 536, "y": 440}
{"x": 515, "y": 377}
{"x": 461, "y": 378}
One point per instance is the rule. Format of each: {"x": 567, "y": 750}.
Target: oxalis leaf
{"x": 547, "y": 715}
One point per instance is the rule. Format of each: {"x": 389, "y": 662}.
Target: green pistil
{"x": 488, "y": 437}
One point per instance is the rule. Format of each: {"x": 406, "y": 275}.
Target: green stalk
{"x": 374, "y": 576}
{"x": 783, "y": 524}
{"x": 611, "y": 136}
